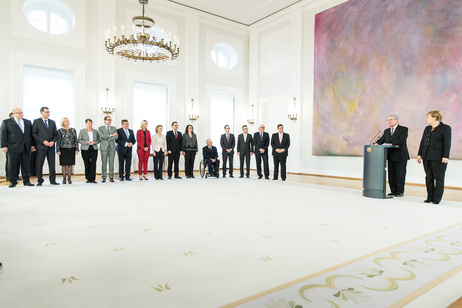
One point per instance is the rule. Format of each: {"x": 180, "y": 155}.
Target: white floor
{"x": 201, "y": 243}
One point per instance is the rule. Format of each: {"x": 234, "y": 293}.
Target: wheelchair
{"x": 203, "y": 170}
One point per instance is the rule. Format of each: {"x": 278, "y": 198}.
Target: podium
{"x": 374, "y": 175}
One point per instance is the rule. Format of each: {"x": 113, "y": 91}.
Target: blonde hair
{"x": 436, "y": 114}
{"x": 143, "y": 122}
{"x": 157, "y": 127}
{"x": 62, "y": 121}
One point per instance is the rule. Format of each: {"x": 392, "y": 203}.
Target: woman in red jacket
{"x": 143, "y": 140}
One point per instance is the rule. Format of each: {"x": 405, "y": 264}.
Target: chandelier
{"x": 141, "y": 46}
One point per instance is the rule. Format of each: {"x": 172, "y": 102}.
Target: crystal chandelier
{"x": 142, "y": 47}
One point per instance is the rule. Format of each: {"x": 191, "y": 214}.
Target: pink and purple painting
{"x": 374, "y": 58}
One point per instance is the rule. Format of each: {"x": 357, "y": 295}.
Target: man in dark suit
{"x": 210, "y": 154}
{"x": 261, "y": 142}
{"x": 397, "y": 157}
{"x": 45, "y": 135}
{"x": 125, "y": 142}
{"x": 17, "y": 143}
{"x": 244, "y": 150}
{"x": 175, "y": 150}
{"x": 227, "y": 142}
{"x": 280, "y": 142}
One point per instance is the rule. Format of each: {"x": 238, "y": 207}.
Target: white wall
{"x": 281, "y": 67}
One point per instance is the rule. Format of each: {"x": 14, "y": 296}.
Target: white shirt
{"x": 393, "y": 129}
{"x": 90, "y": 135}
{"x": 22, "y": 123}
{"x": 245, "y": 137}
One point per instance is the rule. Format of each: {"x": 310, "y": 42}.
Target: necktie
{"x": 20, "y": 126}
{"x": 392, "y": 130}
{"x": 126, "y": 133}
{"x": 108, "y": 129}
{"x": 227, "y": 137}
{"x": 176, "y": 135}
{"x": 46, "y": 124}
{"x": 261, "y": 136}
{"x": 280, "y": 138}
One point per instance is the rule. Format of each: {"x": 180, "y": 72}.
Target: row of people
{"x": 434, "y": 149}
{"x": 20, "y": 138}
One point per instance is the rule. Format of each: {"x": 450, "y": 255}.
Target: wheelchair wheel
{"x": 202, "y": 169}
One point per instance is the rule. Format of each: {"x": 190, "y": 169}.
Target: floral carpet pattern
{"x": 377, "y": 281}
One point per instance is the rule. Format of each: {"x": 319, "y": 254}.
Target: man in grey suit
{"x": 107, "y": 147}
{"x": 244, "y": 150}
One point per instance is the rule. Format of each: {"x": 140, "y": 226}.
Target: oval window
{"x": 224, "y": 56}
{"x": 50, "y": 16}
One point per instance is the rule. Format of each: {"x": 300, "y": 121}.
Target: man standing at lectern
{"x": 397, "y": 157}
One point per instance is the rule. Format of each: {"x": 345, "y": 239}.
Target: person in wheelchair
{"x": 210, "y": 155}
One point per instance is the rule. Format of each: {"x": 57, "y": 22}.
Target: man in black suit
{"x": 397, "y": 157}
{"x": 17, "y": 143}
{"x": 261, "y": 142}
{"x": 227, "y": 142}
{"x": 280, "y": 142}
{"x": 175, "y": 149}
{"x": 125, "y": 142}
{"x": 45, "y": 135}
{"x": 210, "y": 154}
{"x": 244, "y": 150}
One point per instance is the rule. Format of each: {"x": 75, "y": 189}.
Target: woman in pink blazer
{"x": 143, "y": 140}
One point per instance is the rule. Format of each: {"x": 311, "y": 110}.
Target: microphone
{"x": 376, "y": 137}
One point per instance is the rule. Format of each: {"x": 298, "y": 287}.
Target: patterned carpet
{"x": 207, "y": 243}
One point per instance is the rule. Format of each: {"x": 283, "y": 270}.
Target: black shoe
{"x": 27, "y": 183}
{"x": 192, "y": 176}
{"x": 111, "y": 180}
{"x": 12, "y": 185}
{"x": 248, "y": 176}
{"x": 128, "y": 179}
{"x": 267, "y": 178}
{"x": 435, "y": 202}
{"x": 88, "y": 181}
{"x": 428, "y": 201}
{"x": 94, "y": 182}
{"x": 1, "y": 265}
{"x": 399, "y": 195}
{"x": 177, "y": 177}
{"x": 169, "y": 177}
{"x": 188, "y": 176}
{"x": 231, "y": 176}
{"x": 390, "y": 194}
{"x": 260, "y": 177}
{"x": 161, "y": 179}
{"x": 39, "y": 184}
{"x": 103, "y": 181}
{"x": 122, "y": 179}
{"x": 241, "y": 176}
{"x": 283, "y": 180}
{"x": 145, "y": 178}
{"x": 54, "y": 183}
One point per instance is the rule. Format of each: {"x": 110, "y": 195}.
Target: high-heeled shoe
{"x": 145, "y": 178}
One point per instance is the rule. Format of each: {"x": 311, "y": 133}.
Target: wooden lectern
{"x": 374, "y": 175}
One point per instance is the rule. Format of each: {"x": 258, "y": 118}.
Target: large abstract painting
{"x": 374, "y": 58}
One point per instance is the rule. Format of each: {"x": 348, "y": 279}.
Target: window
{"x": 52, "y": 88}
{"x": 224, "y": 56}
{"x": 222, "y": 113}
{"x": 150, "y": 103}
{"x": 50, "y": 16}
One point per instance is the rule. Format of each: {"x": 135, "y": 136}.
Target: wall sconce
{"x": 107, "y": 109}
{"x": 293, "y": 113}
{"x": 251, "y": 120}
{"x": 193, "y": 116}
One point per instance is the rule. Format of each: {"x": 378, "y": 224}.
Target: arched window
{"x": 50, "y": 16}
{"x": 224, "y": 56}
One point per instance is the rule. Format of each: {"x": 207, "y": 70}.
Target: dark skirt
{"x": 67, "y": 157}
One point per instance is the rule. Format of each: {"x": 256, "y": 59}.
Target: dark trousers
{"x": 14, "y": 161}
{"x": 50, "y": 156}
{"x": 6, "y": 168}
{"x": 158, "y": 164}
{"x": 213, "y": 167}
{"x": 245, "y": 157}
{"x": 230, "y": 157}
{"x": 397, "y": 176}
{"x": 434, "y": 179}
{"x": 189, "y": 157}
{"x": 125, "y": 159}
{"x": 279, "y": 159}
{"x": 89, "y": 159}
{"x": 259, "y": 156}
{"x": 173, "y": 158}
{"x": 33, "y": 163}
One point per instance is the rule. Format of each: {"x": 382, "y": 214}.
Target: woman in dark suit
{"x": 190, "y": 150}
{"x": 67, "y": 147}
{"x": 434, "y": 151}
{"x": 89, "y": 139}
{"x": 143, "y": 137}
